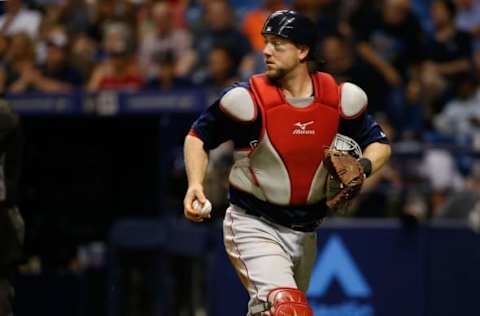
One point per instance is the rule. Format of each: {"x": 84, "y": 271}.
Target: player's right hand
{"x": 194, "y": 192}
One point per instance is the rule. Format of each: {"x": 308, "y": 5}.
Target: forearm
{"x": 18, "y": 86}
{"x": 196, "y": 160}
{"x": 378, "y": 154}
{"x": 367, "y": 53}
{"x": 454, "y": 67}
{"x": 49, "y": 85}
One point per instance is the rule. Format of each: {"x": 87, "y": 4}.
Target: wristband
{"x": 366, "y": 165}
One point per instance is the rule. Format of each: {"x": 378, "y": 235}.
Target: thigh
{"x": 304, "y": 265}
{"x": 256, "y": 254}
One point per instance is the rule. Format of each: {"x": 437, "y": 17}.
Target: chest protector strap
{"x": 268, "y": 95}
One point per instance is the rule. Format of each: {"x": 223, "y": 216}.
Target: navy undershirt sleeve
{"x": 213, "y": 127}
{"x": 363, "y": 129}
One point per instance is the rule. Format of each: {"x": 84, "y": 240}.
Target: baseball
{"x": 202, "y": 210}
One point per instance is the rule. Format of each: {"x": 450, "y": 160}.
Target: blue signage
{"x": 335, "y": 264}
{"x": 377, "y": 270}
{"x": 109, "y": 103}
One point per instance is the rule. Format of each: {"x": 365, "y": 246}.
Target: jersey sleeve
{"x": 218, "y": 123}
{"x": 213, "y": 127}
{"x": 363, "y": 129}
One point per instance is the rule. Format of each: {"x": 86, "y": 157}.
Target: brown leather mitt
{"x": 345, "y": 178}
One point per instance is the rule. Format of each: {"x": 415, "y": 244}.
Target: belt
{"x": 304, "y": 218}
{"x": 302, "y": 227}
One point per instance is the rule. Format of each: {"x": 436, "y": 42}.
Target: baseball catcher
{"x": 283, "y": 182}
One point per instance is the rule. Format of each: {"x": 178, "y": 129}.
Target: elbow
{"x": 384, "y": 151}
{"x": 192, "y": 139}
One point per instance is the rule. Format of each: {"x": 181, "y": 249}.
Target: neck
{"x": 297, "y": 83}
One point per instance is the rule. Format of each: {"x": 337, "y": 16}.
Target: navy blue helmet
{"x": 293, "y": 26}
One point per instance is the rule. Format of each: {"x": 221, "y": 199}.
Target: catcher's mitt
{"x": 345, "y": 178}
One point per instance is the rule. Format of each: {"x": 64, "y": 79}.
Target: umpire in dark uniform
{"x": 12, "y": 227}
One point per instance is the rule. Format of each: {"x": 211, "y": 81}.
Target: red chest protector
{"x": 298, "y": 135}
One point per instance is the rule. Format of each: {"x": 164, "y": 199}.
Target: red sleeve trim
{"x": 193, "y": 133}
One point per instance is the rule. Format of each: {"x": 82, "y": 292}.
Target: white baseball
{"x": 202, "y": 210}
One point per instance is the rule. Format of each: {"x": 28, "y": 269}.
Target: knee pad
{"x": 288, "y": 302}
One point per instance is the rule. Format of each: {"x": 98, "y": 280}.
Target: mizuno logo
{"x": 301, "y": 128}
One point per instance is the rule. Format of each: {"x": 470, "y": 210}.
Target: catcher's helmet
{"x": 293, "y": 26}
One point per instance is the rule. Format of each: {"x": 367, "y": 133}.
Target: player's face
{"x": 281, "y": 56}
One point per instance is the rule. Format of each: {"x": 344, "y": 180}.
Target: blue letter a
{"x": 336, "y": 262}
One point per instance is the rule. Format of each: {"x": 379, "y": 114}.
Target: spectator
{"x": 120, "y": 69}
{"x": 83, "y": 55}
{"x": 357, "y": 11}
{"x": 146, "y": 22}
{"x": 56, "y": 73}
{"x": 166, "y": 37}
{"x": 221, "y": 69}
{"x": 460, "y": 119}
{"x": 463, "y": 203}
{"x": 73, "y": 14}
{"x": 220, "y": 30}
{"x": 253, "y": 22}
{"x": 19, "y": 64}
{"x": 104, "y": 12}
{"x": 18, "y": 19}
{"x": 326, "y": 14}
{"x": 439, "y": 169}
{"x": 414, "y": 114}
{"x": 467, "y": 19}
{"x": 448, "y": 55}
{"x": 388, "y": 39}
{"x": 341, "y": 61}
{"x": 165, "y": 78}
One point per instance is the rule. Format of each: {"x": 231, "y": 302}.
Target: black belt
{"x": 302, "y": 227}
{"x": 304, "y": 218}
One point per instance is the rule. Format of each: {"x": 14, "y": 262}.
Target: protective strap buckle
{"x": 259, "y": 308}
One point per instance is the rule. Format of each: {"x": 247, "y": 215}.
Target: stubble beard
{"x": 276, "y": 74}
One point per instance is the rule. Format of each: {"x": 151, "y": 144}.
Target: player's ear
{"x": 302, "y": 52}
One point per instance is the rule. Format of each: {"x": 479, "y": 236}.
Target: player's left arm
{"x": 378, "y": 154}
{"x": 357, "y": 124}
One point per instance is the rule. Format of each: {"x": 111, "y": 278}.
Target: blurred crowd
{"x": 418, "y": 61}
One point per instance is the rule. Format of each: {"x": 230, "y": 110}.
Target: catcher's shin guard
{"x": 285, "y": 301}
